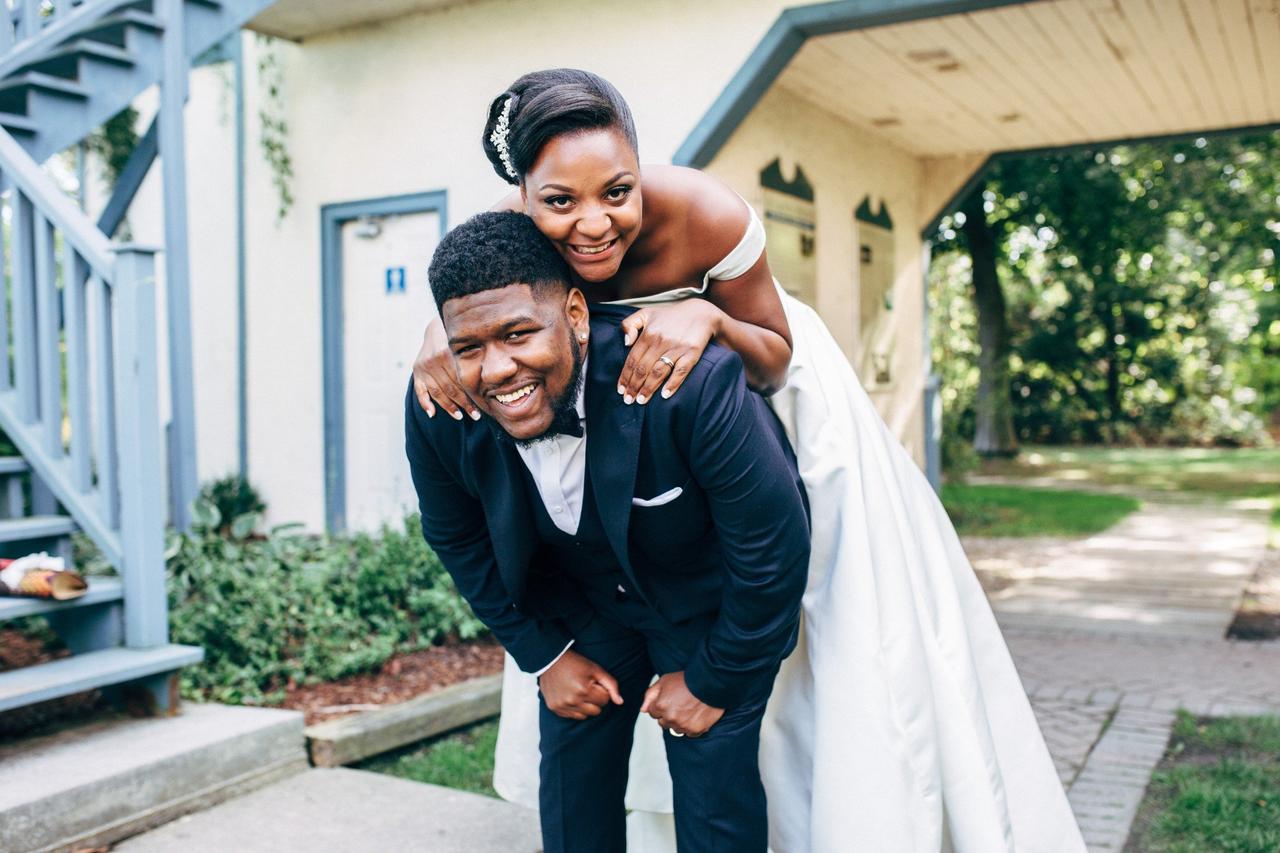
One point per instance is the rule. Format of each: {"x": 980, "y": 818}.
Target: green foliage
{"x": 273, "y": 130}
{"x": 114, "y": 142}
{"x": 234, "y": 498}
{"x": 1141, "y": 284}
{"x": 290, "y": 608}
{"x": 463, "y": 760}
{"x": 1018, "y": 511}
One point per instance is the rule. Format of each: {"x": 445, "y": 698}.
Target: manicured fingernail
{"x": 642, "y": 399}
{"x": 626, "y": 340}
{"x": 666, "y": 393}
{"x": 621, "y": 390}
{"x": 457, "y": 416}
{"x": 475, "y": 415}
{"x": 627, "y": 398}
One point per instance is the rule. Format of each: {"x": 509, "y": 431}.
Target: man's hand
{"x": 576, "y": 687}
{"x": 669, "y": 702}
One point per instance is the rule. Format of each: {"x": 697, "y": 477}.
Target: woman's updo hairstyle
{"x": 544, "y": 105}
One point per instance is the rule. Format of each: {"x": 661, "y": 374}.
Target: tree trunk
{"x": 993, "y": 407}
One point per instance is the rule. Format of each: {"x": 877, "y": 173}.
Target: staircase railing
{"x": 84, "y": 308}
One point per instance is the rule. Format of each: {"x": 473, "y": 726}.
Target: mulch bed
{"x": 1259, "y": 615}
{"x": 402, "y": 677}
{"x": 19, "y": 649}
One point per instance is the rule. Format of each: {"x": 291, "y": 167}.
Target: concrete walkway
{"x": 348, "y": 811}
{"x": 1169, "y": 569}
{"x": 1111, "y": 634}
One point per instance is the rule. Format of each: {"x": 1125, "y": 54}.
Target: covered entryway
{"x": 927, "y": 92}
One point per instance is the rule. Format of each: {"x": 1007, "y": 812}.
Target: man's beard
{"x": 564, "y": 409}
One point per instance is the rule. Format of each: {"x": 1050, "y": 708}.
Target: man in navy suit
{"x": 604, "y": 543}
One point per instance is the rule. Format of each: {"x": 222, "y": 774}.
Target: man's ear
{"x": 575, "y": 308}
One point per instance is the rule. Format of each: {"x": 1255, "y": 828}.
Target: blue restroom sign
{"x": 395, "y": 279}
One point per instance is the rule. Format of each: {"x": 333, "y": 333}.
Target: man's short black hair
{"x": 491, "y": 251}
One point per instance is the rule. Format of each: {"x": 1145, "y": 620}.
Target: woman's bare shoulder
{"x": 703, "y": 206}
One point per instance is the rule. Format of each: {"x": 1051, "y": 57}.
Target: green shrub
{"x": 291, "y": 608}
{"x": 233, "y": 496}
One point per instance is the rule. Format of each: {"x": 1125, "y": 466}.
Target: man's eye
{"x": 467, "y": 350}
{"x": 512, "y": 337}
{"x": 619, "y": 192}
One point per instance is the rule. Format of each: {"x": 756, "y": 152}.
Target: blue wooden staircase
{"x": 78, "y": 382}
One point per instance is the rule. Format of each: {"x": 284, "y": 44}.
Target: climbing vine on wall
{"x": 273, "y": 131}
{"x": 114, "y": 142}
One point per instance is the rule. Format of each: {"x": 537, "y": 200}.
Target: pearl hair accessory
{"x": 499, "y": 138}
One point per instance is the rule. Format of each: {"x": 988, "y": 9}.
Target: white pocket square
{"x": 665, "y": 498}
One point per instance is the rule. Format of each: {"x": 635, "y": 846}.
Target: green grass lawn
{"x": 462, "y": 760}
{"x": 1213, "y": 473}
{"x": 1217, "y": 789}
{"x": 1015, "y": 511}
{"x": 1216, "y": 472}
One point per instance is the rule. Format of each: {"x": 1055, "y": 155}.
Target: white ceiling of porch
{"x": 1050, "y": 73}
{"x": 302, "y": 19}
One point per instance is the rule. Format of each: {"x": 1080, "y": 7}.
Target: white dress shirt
{"x": 559, "y": 468}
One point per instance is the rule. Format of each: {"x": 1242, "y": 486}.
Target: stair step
{"x": 64, "y": 61}
{"x": 101, "y": 591}
{"x": 15, "y": 464}
{"x": 86, "y": 671}
{"x": 35, "y": 527}
{"x": 44, "y": 82}
{"x": 111, "y": 28}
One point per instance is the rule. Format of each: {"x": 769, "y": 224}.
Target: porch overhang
{"x": 979, "y": 77}
{"x": 297, "y": 20}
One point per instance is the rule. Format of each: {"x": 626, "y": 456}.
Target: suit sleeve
{"x": 759, "y": 511}
{"x": 454, "y": 525}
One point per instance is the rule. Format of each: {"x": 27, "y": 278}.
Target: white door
{"x": 386, "y": 305}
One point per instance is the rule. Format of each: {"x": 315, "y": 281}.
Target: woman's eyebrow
{"x": 625, "y": 173}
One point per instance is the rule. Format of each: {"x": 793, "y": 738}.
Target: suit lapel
{"x": 506, "y": 506}
{"x": 613, "y": 451}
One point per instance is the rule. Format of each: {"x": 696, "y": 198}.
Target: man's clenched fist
{"x": 576, "y": 687}
{"x": 669, "y": 702}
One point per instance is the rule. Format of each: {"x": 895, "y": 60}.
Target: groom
{"x": 604, "y": 544}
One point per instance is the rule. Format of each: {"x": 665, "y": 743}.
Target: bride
{"x": 899, "y": 723}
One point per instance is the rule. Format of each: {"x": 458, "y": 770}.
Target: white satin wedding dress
{"x": 898, "y": 725}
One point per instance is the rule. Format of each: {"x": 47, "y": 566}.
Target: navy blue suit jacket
{"x": 735, "y": 543}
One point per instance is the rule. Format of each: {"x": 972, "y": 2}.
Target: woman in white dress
{"x": 899, "y": 723}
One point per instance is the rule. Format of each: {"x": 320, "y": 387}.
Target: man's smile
{"x": 517, "y": 401}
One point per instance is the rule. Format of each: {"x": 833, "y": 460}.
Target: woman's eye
{"x": 559, "y": 201}
{"x": 618, "y": 193}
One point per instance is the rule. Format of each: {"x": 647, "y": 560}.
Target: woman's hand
{"x": 435, "y": 376}
{"x": 666, "y": 342}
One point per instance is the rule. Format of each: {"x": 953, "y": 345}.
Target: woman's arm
{"x": 744, "y": 313}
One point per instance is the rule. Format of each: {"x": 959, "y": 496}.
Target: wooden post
{"x": 146, "y": 608}
{"x": 173, "y": 95}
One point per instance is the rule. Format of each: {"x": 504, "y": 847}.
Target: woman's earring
{"x": 582, "y": 336}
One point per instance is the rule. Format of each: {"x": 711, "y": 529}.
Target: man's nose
{"x": 497, "y": 366}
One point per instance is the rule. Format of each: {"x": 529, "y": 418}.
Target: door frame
{"x": 332, "y": 218}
